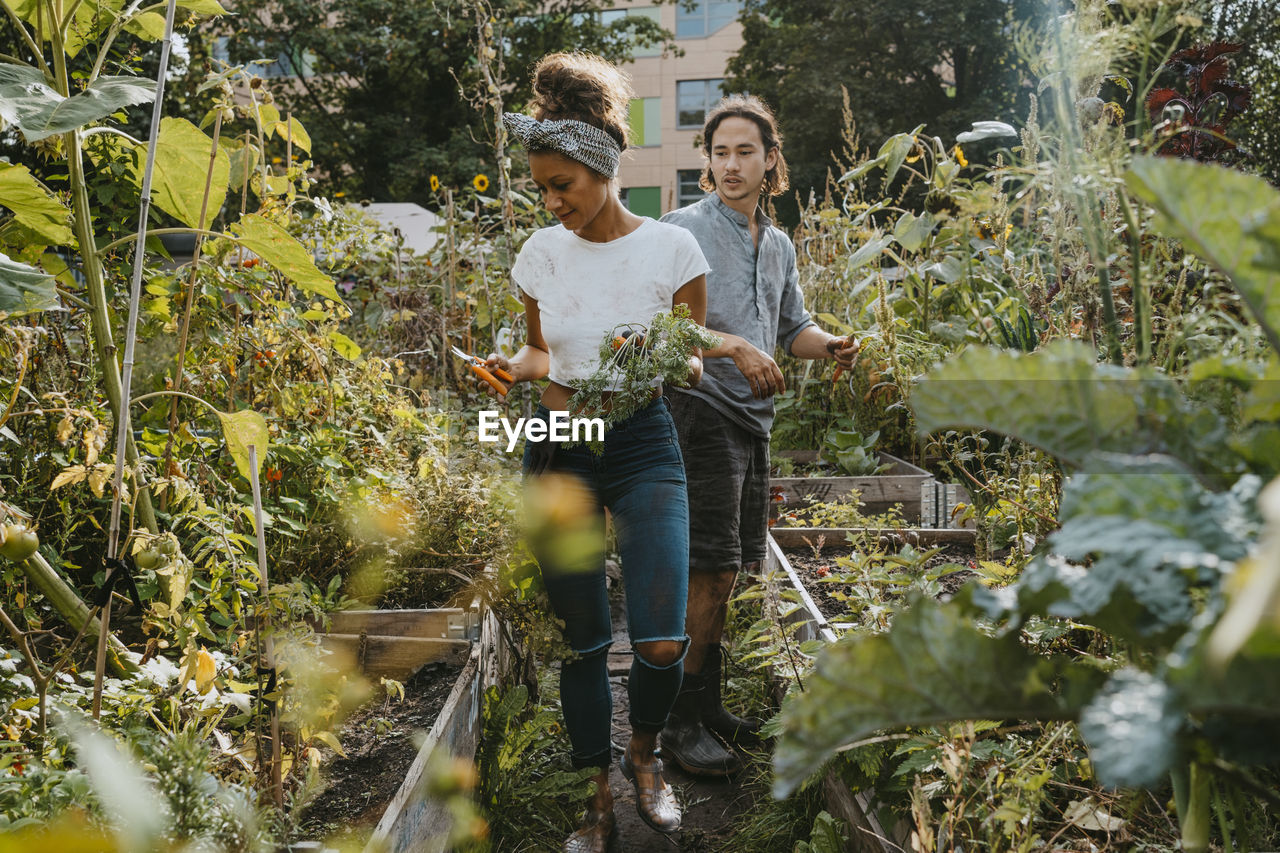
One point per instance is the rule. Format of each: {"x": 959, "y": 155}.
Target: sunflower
{"x": 480, "y": 182}
{"x": 435, "y": 184}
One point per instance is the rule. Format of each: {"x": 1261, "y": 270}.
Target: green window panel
{"x": 644, "y": 201}
{"x": 646, "y": 121}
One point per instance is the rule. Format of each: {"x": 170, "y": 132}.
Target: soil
{"x": 379, "y": 742}
{"x": 817, "y": 573}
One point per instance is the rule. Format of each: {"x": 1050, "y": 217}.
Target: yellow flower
{"x": 276, "y": 161}
{"x": 435, "y": 183}
{"x": 959, "y": 155}
{"x": 481, "y": 183}
{"x": 917, "y": 151}
{"x": 339, "y": 194}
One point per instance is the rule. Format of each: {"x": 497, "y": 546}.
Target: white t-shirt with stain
{"x": 588, "y": 290}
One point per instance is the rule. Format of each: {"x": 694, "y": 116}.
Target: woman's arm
{"x": 693, "y": 295}
{"x": 532, "y": 361}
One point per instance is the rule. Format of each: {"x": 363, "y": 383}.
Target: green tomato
{"x": 149, "y": 558}
{"x": 168, "y": 545}
{"x": 18, "y": 542}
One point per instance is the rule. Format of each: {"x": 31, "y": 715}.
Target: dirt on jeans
{"x": 380, "y": 747}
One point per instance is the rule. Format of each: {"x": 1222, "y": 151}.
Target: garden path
{"x": 711, "y": 805}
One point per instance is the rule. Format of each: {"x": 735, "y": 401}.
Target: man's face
{"x": 738, "y": 159}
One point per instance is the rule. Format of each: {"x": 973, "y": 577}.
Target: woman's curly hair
{"x": 584, "y": 87}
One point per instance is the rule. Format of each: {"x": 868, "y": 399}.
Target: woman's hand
{"x": 493, "y": 364}
{"x": 695, "y": 372}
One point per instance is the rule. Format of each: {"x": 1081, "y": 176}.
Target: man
{"x": 754, "y": 302}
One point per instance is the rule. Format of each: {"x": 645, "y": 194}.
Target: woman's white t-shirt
{"x": 586, "y": 290}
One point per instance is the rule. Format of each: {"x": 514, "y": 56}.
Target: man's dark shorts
{"x": 727, "y": 469}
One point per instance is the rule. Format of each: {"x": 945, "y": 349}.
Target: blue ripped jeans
{"x": 640, "y": 479}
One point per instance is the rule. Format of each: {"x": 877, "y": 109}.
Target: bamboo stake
{"x": 264, "y": 625}
{"x": 190, "y": 300}
{"x": 123, "y": 423}
{"x": 450, "y": 286}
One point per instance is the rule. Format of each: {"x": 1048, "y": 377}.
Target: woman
{"x": 601, "y": 268}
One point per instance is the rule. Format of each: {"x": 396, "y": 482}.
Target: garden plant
{"x": 1065, "y": 288}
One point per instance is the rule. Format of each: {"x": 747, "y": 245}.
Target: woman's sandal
{"x": 595, "y": 835}
{"x": 655, "y": 800}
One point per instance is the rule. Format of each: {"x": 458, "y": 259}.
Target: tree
{"x": 377, "y": 82}
{"x": 945, "y": 63}
{"x": 1255, "y": 24}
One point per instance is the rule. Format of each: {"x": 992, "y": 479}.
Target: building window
{"x": 693, "y": 99}
{"x": 643, "y": 201}
{"x": 285, "y": 65}
{"x": 687, "y": 189}
{"x": 705, "y": 17}
{"x": 646, "y": 121}
{"x": 609, "y": 16}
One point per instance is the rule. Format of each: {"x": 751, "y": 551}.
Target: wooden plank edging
{"x": 798, "y": 537}
{"x": 855, "y": 809}
{"x": 415, "y": 821}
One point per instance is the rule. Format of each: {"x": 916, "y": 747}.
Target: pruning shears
{"x": 479, "y": 368}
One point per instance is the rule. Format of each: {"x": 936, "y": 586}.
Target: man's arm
{"x": 813, "y": 342}
{"x": 761, "y": 371}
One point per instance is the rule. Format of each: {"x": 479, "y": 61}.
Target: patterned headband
{"x": 577, "y": 140}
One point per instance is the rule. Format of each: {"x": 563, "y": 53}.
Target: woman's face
{"x": 573, "y": 192}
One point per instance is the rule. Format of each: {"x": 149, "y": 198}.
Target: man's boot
{"x": 686, "y": 741}
{"x": 731, "y": 727}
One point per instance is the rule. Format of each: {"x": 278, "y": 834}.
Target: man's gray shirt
{"x": 752, "y": 293}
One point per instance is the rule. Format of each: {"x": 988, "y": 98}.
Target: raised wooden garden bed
{"x": 838, "y": 537}
{"x": 397, "y": 643}
{"x": 857, "y": 810}
{"x": 415, "y": 821}
{"x": 901, "y": 485}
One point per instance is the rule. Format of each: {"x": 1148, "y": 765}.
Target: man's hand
{"x": 844, "y": 350}
{"x": 761, "y": 371}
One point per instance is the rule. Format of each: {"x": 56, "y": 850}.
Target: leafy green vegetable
{"x": 934, "y": 665}
{"x": 630, "y": 373}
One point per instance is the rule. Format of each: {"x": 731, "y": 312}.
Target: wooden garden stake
{"x": 268, "y": 662}
{"x": 244, "y": 188}
{"x": 190, "y": 300}
{"x": 124, "y": 422}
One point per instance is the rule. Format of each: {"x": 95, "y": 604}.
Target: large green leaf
{"x": 28, "y": 103}
{"x": 1138, "y": 534}
{"x": 1062, "y": 401}
{"x": 182, "y": 164}
{"x": 1228, "y": 218}
{"x": 24, "y": 289}
{"x": 34, "y": 206}
{"x": 1254, "y": 607}
{"x": 933, "y": 665}
{"x": 240, "y": 430}
{"x": 278, "y": 248}
{"x": 243, "y": 159}
{"x": 1131, "y": 727}
{"x": 90, "y": 19}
